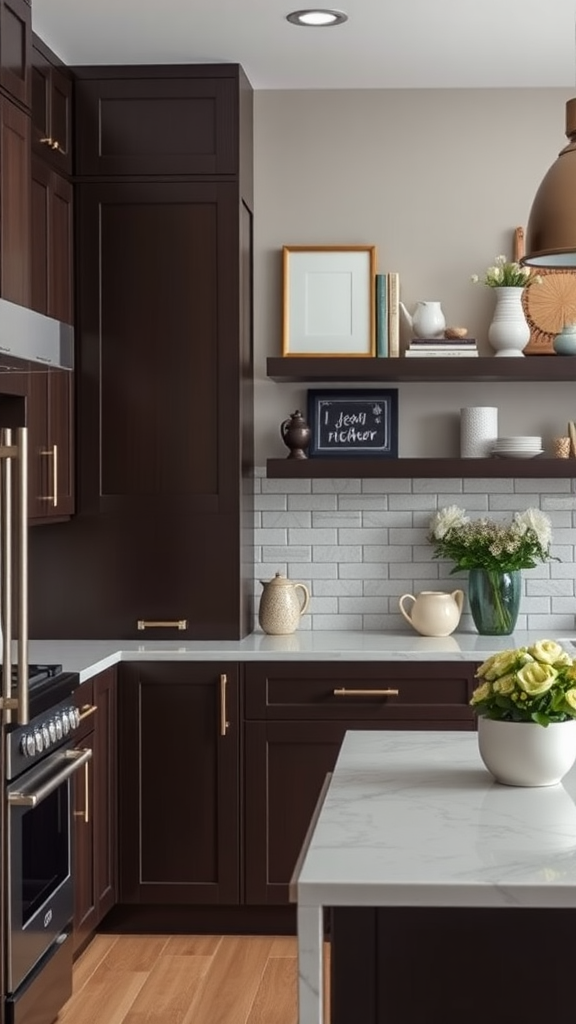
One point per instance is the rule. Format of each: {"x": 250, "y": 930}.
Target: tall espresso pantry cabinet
{"x": 160, "y": 547}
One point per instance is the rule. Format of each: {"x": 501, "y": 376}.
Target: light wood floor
{"x": 184, "y": 979}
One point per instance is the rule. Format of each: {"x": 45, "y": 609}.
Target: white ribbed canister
{"x": 478, "y": 431}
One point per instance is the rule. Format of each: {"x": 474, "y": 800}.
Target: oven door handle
{"x": 25, "y": 798}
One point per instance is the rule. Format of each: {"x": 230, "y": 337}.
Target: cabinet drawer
{"x": 389, "y": 692}
{"x": 154, "y": 125}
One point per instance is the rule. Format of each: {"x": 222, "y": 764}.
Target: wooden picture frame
{"x": 328, "y": 300}
{"x": 358, "y": 423}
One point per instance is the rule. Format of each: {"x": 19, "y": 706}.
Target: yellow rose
{"x": 497, "y": 665}
{"x": 536, "y": 678}
{"x": 481, "y": 693}
{"x": 505, "y": 685}
{"x": 547, "y": 651}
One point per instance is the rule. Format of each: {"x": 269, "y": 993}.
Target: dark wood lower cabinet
{"x": 94, "y": 807}
{"x": 179, "y": 788}
{"x": 298, "y": 714}
{"x": 401, "y": 965}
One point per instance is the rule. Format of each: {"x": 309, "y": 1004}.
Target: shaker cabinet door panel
{"x": 15, "y": 227}
{"x": 157, "y": 125}
{"x": 179, "y": 783}
{"x": 16, "y": 49}
{"x": 158, "y": 304}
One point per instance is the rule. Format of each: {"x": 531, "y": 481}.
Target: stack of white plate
{"x": 523, "y": 447}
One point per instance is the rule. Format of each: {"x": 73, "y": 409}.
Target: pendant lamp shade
{"x": 551, "y": 228}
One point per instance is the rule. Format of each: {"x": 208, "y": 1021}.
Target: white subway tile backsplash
{"x": 360, "y": 544}
{"x": 385, "y": 486}
{"x": 347, "y": 622}
{"x": 265, "y": 502}
{"x": 282, "y": 553}
{"x": 288, "y": 520}
{"x": 363, "y": 571}
{"x": 364, "y": 536}
{"x": 313, "y": 571}
{"x": 336, "y": 486}
{"x": 363, "y": 502}
{"x": 337, "y": 520}
{"x": 487, "y": 485}
{"x": 313, "y": 502}
{"x": 337, "y": 588}
{"x": 344, "y": 553}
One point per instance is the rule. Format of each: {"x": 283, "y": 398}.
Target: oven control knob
{"x": 38, "y": 741}
{"x": 27, "y": 745}
{"x": 65, "y": 723}
{"x": 74, "y": 714}
{"x": 58, "y": 727}
{"x": 52, "y": 731}
{"x": 45, "y": 735}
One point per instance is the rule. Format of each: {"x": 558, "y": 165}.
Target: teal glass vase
{"x": 494, "y": 599}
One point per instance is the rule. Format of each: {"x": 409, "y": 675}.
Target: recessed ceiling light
{"x": 318, "y": 18}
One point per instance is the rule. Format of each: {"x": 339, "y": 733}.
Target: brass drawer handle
{"x": 162, "y": 623}
{"x": 86, "y": 710}
{"x": 223, "y": 721}
{"x": 85, "y": 814}
{"x": 366, "y": 693}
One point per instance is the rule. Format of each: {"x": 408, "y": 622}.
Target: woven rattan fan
{"x": 548, "y": 307}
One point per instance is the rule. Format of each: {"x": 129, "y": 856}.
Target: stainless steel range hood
{"x": 31, "y": 341}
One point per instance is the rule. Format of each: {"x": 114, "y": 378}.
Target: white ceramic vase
{"x": 509, "y": 332}
{"x": 526, "y": 754}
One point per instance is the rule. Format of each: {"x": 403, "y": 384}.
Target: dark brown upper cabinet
{"x": 52, "y": 249}
{"x": 162, "y": 123}
{"x": 50, "y": 445}
{"x": 16, "y": 49}
{"x": 51, "y": 109}
{"x": 15, "y": 226}
{"x": 163, "y": 525}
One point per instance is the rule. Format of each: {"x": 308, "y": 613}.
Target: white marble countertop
{"x": 89, "y": 657}
{"x": 414, "y": 819}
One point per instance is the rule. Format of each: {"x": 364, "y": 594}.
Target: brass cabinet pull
{"x": 162, "y": 624}
{"x": 223, "y": 722}
{"x": 366, "y": 693}
{"x": 47, "y": 141}
{"x": 85, "y": 814}
{"x": 86, "y": 710}
{"x": 53, "y": 454}
{"x": 56, "y": 146}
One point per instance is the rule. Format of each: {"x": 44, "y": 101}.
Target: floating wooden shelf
{"x": 293, "y": 369}
{"x": 342, "y": 468}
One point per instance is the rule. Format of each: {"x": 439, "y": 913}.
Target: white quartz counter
{"x": 89, "y": 657}
{"x": 413, "y": 819}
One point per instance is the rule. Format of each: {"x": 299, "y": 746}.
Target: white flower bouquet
{"x": 507, "y": 274}
{"x": 487, "y": 544}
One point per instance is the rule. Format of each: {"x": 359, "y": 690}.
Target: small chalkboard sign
{"x": 353, "y": 423}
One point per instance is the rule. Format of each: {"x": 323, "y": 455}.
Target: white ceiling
{"x": 384, "y": 44}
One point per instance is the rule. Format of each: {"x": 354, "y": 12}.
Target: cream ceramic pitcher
{"x": 433, "y": 612}
{"x": 282, "y": 604}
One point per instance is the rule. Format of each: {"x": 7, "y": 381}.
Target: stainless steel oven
{"x": 41, "y": 761}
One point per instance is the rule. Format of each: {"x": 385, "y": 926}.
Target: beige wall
{"x": 437, "y": 180}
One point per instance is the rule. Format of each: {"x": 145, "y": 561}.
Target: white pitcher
{"x": 427, "y": 320}
{"x": 434, "y": 612}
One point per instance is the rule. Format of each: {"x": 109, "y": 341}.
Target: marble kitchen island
{"x": 452, "y": 898}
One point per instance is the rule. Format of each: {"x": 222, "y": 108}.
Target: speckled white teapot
{"x": 282, "y": 605}
{"x": 433, "y": 612}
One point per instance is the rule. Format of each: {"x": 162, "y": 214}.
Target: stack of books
{"x": 442, "y": 347}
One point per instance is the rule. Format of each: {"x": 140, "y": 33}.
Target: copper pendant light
{"x": 551, "y": 229}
